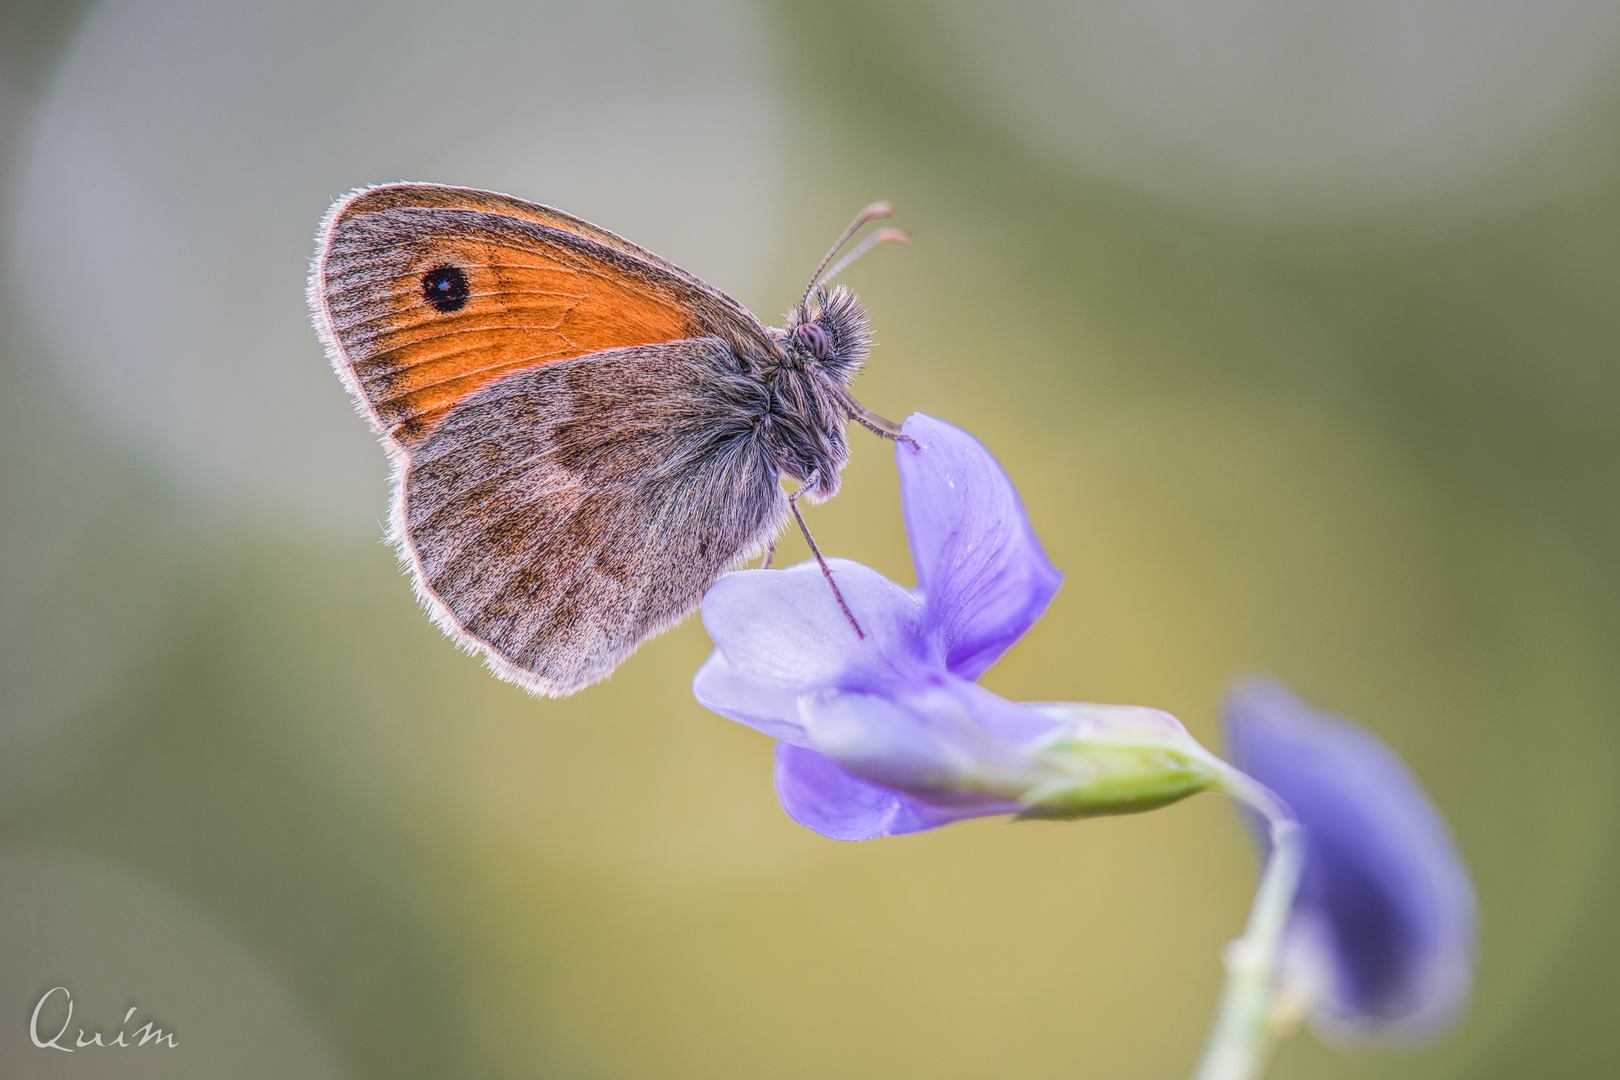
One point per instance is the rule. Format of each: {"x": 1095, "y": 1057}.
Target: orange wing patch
{"x": 414, "y": 361}
{"x": 429, "y": 294}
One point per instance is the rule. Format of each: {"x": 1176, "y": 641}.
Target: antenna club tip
{"x": 881, "y": 209}
{"x": 894, "y": 236}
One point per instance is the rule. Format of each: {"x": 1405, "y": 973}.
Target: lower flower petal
{"x": 784, "y": 628}
{"x": 722, "y": 688}
{"x": 825, "y": 797}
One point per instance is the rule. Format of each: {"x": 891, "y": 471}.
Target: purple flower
{"x": 1381, "y": 939}
{"x": 889, "y": 734}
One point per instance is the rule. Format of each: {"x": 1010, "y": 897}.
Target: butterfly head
{"x": 829, "y": 336}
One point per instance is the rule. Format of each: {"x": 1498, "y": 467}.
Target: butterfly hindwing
{"x": 559, "y": 516}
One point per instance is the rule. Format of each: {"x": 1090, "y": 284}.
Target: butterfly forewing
{"x": 425, "y": 294}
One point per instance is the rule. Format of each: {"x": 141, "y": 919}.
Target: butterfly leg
{"x": 770, "y": 553}
{"x": 826, "y": 571}
{"x": 876, "y": 424}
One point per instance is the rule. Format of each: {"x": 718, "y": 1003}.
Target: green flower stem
{"x": 1240, "y": 1041}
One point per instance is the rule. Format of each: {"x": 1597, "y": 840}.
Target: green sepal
{"x": 1116, "y": 760}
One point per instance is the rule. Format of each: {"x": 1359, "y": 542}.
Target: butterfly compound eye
{"x": 445, "y": 287}
{"x": 815, "y": 339}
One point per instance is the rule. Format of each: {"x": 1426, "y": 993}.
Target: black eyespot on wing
{"x": 445, "y": 287}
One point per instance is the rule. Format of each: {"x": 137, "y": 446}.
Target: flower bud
{"x": 1381, "y": 941}
{"x": 1115, "y": 759}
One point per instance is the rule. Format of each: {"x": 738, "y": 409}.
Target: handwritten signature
{"x": 147, "y": 1032}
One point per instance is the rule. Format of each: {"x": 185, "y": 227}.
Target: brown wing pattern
{"x": 424, "y": 294}
{"x": 560, "y": 516}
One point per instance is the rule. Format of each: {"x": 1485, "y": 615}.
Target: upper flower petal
{"x": 1383, "y": 929}
{"x": 784, "y": 630}
{"x": 981, "y": 569}
{"x": 824, "y": 796}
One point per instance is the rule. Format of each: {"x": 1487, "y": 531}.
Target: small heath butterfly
{"x": 584, "y": 437}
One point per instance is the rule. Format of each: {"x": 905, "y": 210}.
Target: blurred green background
{"x": 1298, "y": 325}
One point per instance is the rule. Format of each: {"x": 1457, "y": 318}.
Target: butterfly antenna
{"x": 871, "y": 213}
{"x": 882, "y": 236}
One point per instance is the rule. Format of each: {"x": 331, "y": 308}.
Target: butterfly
{"x": 584, "y": 437}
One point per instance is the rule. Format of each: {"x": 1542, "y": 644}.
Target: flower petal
{"x": 718, "y": 686}
{"x": 1385, "y": 914}
{"x": 822, "y": 795}
{"x": 1092, "y": 720}
{"x": 784, "y": 628}
{"x": 941, "y": 740}
{"x": 983, "y": 572}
